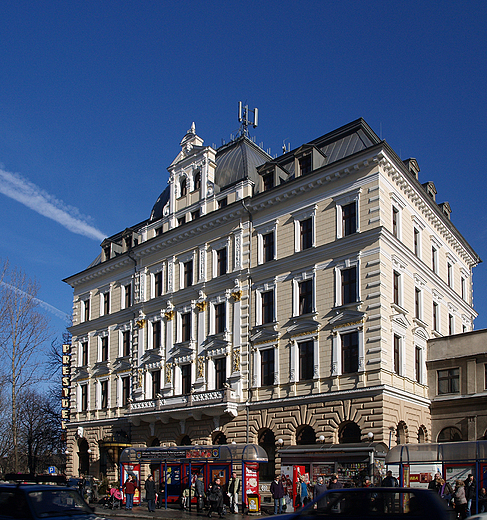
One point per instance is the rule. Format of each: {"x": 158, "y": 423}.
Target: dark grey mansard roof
{"x": 156, "y": 212}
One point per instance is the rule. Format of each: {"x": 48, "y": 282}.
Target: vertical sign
{"x": 66, "y": 382}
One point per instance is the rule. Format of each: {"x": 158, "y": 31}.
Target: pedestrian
{"x": 199, "y": 491}
{"x": 303, "y": 491}
{"x": 367, "y": 482}
{"x": 460, "y": 500}
{"x": 470, "y": 492}
{"x": 320, "y": 488}
{"x": 215, "y": 498}
{"x": 335, "y": 483}
{"x": 435, "y": 483}
{"x": 129, "y": 488}
{"x": 81, "y": 485}
{"x": 233, "y": 491}
{"x": 482, "y": 500}
{"x": 150, "y": 493}
{"x": 277, "y": 492}
{"x": 389, "y": 480}
{"x": 445, "y": 491}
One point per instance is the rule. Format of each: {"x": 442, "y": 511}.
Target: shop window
{"x": 450, "y": 434}
{"x": 349, "y": 433}
{"x": 267, "y": 441}
{"x": 305, "y": 435}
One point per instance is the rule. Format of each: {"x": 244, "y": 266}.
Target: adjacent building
{"x": 275, "y": 300}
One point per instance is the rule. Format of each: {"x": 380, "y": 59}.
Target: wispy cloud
{"x": 46, "y": 306}
{"x": 22, "y": 190}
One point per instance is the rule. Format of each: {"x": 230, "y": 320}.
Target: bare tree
{"x": 23, "y": 332}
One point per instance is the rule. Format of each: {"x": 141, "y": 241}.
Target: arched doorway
{"x": 83, "y": 457}
{"x": 267, "y": 440}
{"x": 349, "y": 433}
{"x": 305, "y": 435}
{"x": 450, "y": 434}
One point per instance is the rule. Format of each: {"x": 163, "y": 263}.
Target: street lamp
{"x": 321, "y": 438}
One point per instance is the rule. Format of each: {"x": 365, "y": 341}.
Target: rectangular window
{"x": 306, "y": 233}
{"x": 349, "y": 219}
{"x": 349, "y": 285}
{"x": 104, "y": 348}
{"x": 451, "y": 328}
{"x": 125, "y": 390}
{"x": 306, "y": 360}
{"x": 221, "y": 262}
{"x": 185, "y": 379}
{"x": 397, "y": 354}
{"x": 220, "y": 372}
{"x": 156, "y": 334}
{"x": 106, "y": 303}
{"x": 195, "y": 215}
{"x": 395, "y": 222}
{"x": 84, "y": 353}
{"x": 126, "y": 343}
{"x": 397, "y": 288}
{"x": 434, "y": 259}
{"x": 463, "y": 288}
{"x": 158, "y": 231}
{"x": 449, "y": 274}
{"x": 188, "y": 273}
{"x": 417, "y": 364}
{"x": 182, "y": 220}
{"x": 268, "y": 245}
{"x": 186, "y": 326}
{"x": 86, "y": 305}
{"x": 305, "y": 297}
{"x": 417, "y": 303}
{"x": 267, "y": 366}
{"x": 268, "y": 181}
{"x": 268, "y": 307}
{"x": 156, "y": 383}
{"x": 84, "y": 398}
{"x": 128, "y": 296}
{"x": 222, "y": 203}
{"x": 220, "y": 318}
{"x": 349, "y": 352}
{"x": 158, "y": 284}
{"x": 416, "y": 242}
{"x": 449, "y": 381}
{"x": 305, "y": 164}
{"x": 104, "y": 394}
{"x": 435, "y": 317}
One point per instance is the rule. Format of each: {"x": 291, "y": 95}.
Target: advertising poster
{"x": 287, "y": 482}
{"x": 251, "y": 480}
{"x": 453, "y": 473}
{"x": 134, "y": 470}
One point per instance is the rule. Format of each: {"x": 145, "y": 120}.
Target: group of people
{"x": 462, "y": 497}
{"x": 215, "y": 495}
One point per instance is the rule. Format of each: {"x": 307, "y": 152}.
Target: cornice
{"x": 99, "y": 270}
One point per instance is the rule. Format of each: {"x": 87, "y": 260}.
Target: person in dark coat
{"x": 470, "y": 492}
{"x": 150, "y": 493}
{"x": 335, "y": 483}
{"x": 215, "y": 498}
{"x": 434, "y": 485}
{"x": 277, "y": 492}
{"x": 199, "y": 491}
{"x": 389, "y": 480}
{"x": 129, "y": 488}
{"x": 319, "y": 489}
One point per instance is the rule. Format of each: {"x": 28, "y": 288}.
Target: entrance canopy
{"x": 219, "y": 453}
{"x": 449, "y": 452}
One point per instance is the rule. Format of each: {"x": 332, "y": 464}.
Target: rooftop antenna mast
{"x": 244, "y": 118}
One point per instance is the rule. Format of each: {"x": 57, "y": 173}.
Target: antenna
{"x": 244, "y": 118}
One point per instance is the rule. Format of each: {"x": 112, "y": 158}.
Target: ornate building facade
{"x": 277, "y": 301}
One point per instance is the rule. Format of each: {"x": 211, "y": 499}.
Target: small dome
{"x": 156, "y": 212}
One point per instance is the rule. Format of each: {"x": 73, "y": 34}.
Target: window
{"x": 104, "y": 348}
{"x": 449, "y": 381}
{"x": 306, "y": 359}
{"x": 416, "y": 242}
{"x": 86, "y": 309}
{"x": 106, "y": 303}
{"x": 349, "y": 352}
{"x": 84, "y": 398}
{"x": 395, "y": 221}
{"x": 158, "y": 231}
{"x": 305, "y": 297}
{"x": 188, "y": 273}
{"x": 84, "y": 353}
{"x": 268, "y": 307}
{"x": 451, "y": 326}
{"x": 186, "y": 326}
{"x": 397, "y": 288}
{"x": 197, "y": 181}
{"x": 125, "y": 390}
{"x": 220, "y": 372}
{"x": 156, "y": 334}
{"x": 104, "y": 394}
{"x": 268, "y": 181}
{"x": 417, "y": 364}
{"x": 182, "y": 220}
{"x": 306, "y": 233}
{"x": 183, "y": 187}
{"x": 449, "y": 274}
{"x": 221, "y": 262}
{"x": 417, "y": 303}
{"x": 195, "y": 215}
{"x": 349, "y": 219}
{"x": 397, "y": 354}
{"x": 305, "y": 164}
{"x": 349, "y": 285}
{"x": 126, "y": 343}
{"x": 156, "y": 383}
{"x": 268, "y": 246}
{"x": 463, "y": 288}
{"x": 436, "y": 321}
{"x": 158, "y": 284}
{"x": 220, "y": 318}
{"x": 222, "y": 203}
{"x": 267, "y": 366}
{"x": 128, "y": 296}
{"x": 186, "y": 379}
{"x": 434, "y": 259}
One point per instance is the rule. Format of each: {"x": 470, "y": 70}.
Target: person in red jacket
{"x": 130, "y": 487}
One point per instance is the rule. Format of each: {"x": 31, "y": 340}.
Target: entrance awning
{"x": 449, "y": 452}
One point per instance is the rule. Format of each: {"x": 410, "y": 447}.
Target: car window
{"x": 50, "y": 502}
{"x": 13, "y": 504}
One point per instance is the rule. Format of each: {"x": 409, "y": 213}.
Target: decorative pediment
{"x": 151, "y": 356}
{"x": 182, "y": 349}
{"x": 121, "y": 365}
{"x": 401, "y": 320}
{"x": 101, "y": 368}
{"x": 263, "y": 335}
{"x": 80, "y": 373}
{"x": 298, "y": 327}
{"x": 347, "y": 318}
{"x": 421, "y": 332}
{"x": 216, "y": 345}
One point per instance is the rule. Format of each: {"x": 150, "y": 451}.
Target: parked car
{"x": 36, "y": 502}
{"x": 371, "y": 502}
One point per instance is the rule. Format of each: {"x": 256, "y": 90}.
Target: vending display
{"x": 352, "y": 474}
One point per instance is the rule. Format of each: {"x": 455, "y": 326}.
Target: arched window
{"x": 422, "y": 437}
{"x": 197, "y": 181}
{"x": 219, "y": 438}
{"x": 349, "y": 432}
{"x": 267, "y": 440}
{"x": 401, "y": 433}
{"x": 183, "y": 187}
{"x": 185, "y": 441}
{"x": 305, "y": 435}
{"x": 450, "y": 434}
{"x": 84, "y": 457}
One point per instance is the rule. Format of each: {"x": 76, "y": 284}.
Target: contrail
{"x": 46, "y": 306}
{"x": 22, "y": 190}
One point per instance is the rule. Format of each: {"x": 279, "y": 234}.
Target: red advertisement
{"x": 251, "y": 479}
{"x": 134, "y": 470}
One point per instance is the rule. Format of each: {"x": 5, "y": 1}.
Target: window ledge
{"x": 399, "y": 309}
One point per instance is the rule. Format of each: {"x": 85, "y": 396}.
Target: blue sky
{"x": 95, "y": 97}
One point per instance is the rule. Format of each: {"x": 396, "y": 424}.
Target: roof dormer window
{"x": 305, "y": 164}
{"x": 183, "y": 187}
